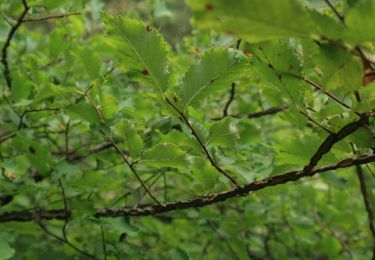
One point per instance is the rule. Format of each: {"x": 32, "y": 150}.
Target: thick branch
{"x": 332, "y": 139}
{"x": 193, "y": 203}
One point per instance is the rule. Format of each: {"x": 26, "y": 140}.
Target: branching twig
{"x": 22, "y": 116}
{"x": 332, "y": 139}
{"x": 204, "y": 148}
{"x": 4, "y": 52}
{"x": 131, "y": 167}
{"x": 44, "y": 228}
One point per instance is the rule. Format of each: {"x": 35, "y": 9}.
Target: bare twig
{"x": 269, "y": 111}
{"x": 204, "y": 148}
{"x": 341, "y": 17}
{"x": 131, "y": 167}
{"x": 66, "y": 210}
{"x": 230, "y": 100}
{"x": 315, "y": 122}
{"x": 82, "y": 252}
{"x": 55, "y": 16}
{"x": 103, "y": 242}
{"x": 4, "y": 52}
{"x": 67, "y": 141}
{"x": 367, "y": 202}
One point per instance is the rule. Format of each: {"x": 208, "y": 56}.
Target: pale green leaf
{"x": 216, "y": 70}
{"x": 224, "y": 132}
{"x": 165, "y": 155}
{"x": 132, "y": 139}
{"x": 360, "y": 21}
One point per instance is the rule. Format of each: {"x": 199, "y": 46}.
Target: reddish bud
{"x": 149, "y": 28}
{"x": 209, "y": 7}
{"x": 145, "y": 72}
{"x": 247, "y": 53}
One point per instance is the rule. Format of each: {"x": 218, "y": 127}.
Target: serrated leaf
{"x": 109, "y": 105}
{"x": 85, "y": 111}
{"x": 90, "y": 62}
{"x": 216, "y": 70}
{"x": 260, "y": 20}
{"x": 143, "y": 47}
{"x": 6, "y": 250}
{"x": 131, "y": 138}
{"x": 165, "y": 155}
{"x": 360, "y": 21}
{"x": 21, "y": 87}
{"x": 224, "y": 132}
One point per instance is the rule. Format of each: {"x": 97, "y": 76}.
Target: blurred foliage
{"x": 103, "y": 72}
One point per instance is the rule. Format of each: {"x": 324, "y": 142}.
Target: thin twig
{"x": 204, "y": 148}
{"x": 269, "y": 111}
{"x": 4, "y": 52}
{"x": 66, "y": 210}
{"x": 341, "y": 17}
{"x": 55, "y": 16}
{"x": 367, "y": 202}
{"x": 103, "y": 242}
{"x": 82, "y": 252}
{"x": 131, "y": 167}
{"x": 224, "y": 239}
{"x": 316, "y": 123}
{"x": 67, "y": 141}
{"x": 230, "y": 100}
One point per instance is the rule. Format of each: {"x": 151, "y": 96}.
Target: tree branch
{"x": 4, "y": 52}
{"x": 193, "y": 203}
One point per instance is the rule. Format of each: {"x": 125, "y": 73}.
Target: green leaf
{"x": 143, "y": 47}
{"x": 259, "y": 20}
{"x": 165, "y": 155}
{"x": 109, "y": 105}
{"x": 360, "y": 21}
{"x": 85, "y": 111}
{"x": 178, "y": 254}
{"x": 204, "y": 173}
{"x": 90, "y": 62}
{"x": 21, "y": 87}
{"x": 224, "y": 132}
{"x": 216, "y": 70}
{"x": 132, "y": 139}
{"x": 6, "y": 250}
